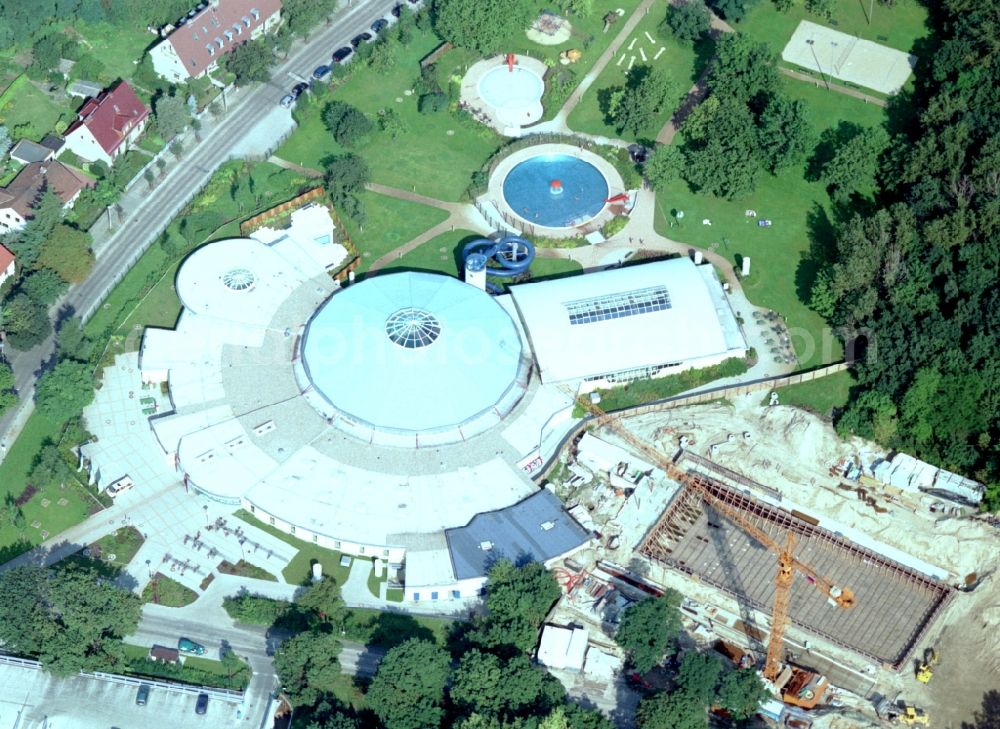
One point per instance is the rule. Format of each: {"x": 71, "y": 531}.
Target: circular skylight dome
{"x": 412, "y": 328}
{"x": 239, "y": 279}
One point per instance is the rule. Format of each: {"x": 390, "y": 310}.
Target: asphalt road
{"x": 159, "y": 206}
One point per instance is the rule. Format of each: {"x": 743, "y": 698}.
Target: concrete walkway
{"x": 837, "y": 88}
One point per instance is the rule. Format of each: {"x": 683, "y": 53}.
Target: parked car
{"x": 397, "y": 10}
{"x": 360, "y": 38}
{"x": 142, "y": 695}
{"x": 341, "y": 54}
{"x": 298, "y": 89}
{"x": 321, "y": 72}
{"x": 379, "y": 25}
{"x": 120, "y": 486}
{"x": 186, "y": 645}
{"x": 287, "y": 100}
{"x": 202, "y": 704}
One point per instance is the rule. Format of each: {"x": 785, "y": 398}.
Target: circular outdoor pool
{"x": 502, "y": 88}
{"x": 556, "y": 191}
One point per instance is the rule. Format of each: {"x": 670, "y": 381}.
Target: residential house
{"x": 6, "y": 264}
{"x": 24, "y": 191}
{"x": 196, "y": 44}
{"x": 107, "y": 125}
{"x": 26, "y": 152}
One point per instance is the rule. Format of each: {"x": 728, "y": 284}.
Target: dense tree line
{"x": 915, "y": 279}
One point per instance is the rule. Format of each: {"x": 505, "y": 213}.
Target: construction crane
{"x": 788, "y": 564}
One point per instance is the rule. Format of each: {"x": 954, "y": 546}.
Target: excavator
{"x": 795, "y": 686}
{"x": 925, "y": 671}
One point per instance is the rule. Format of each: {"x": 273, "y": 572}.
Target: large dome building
{"x": 414, "y": 359}
{"x": 386, "y": 417}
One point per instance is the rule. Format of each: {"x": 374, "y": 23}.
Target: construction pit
{"x": 922, "y": 574}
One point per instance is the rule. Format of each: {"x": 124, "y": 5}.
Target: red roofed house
{"x": 202, "y": 38}
{"x": 23, "y": 192}
{"x": 107, "y": 125}
{"x": 6, "y": 264}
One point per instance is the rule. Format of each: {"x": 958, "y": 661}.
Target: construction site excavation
{"x": 858, "y": 582}
{"x": 894, "y": 604}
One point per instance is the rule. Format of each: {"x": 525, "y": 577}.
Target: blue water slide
{"x": 511, "y": 255}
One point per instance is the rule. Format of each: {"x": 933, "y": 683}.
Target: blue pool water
{"x": 527, "y": 189}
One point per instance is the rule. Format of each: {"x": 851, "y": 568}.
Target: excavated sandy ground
{"x": 792, "y": 450}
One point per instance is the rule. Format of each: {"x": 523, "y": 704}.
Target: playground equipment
{"x": 511, "y": 256}
{"x": 621, "y": 197}
{"x": 510, "y": 62}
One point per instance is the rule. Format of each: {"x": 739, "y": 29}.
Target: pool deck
{"x": 501, "y": 119}
{"x": 495, "y": 196}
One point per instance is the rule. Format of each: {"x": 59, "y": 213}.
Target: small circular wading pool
{"x": 502, "y": 88}
{"x": 556, "y": 191}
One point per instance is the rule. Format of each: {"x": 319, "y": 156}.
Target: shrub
{"x": 433, "y": 102}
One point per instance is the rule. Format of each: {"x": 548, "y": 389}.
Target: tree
{"x": 481, "y": 26}
{"x": 688, "y": 21}
{"x": 648, "y": 628}
{"x": 698, "y": 676}
{"x": 732, "y": 10}
{"x": 324, "y": 599}
{"x": 741, "y": 693}
{"x": 307, "y": 665}
{"x": 5, "y": 140}
{"x": 43, "y": 286}
{"x": 673, "y": 710}
{"x": 784, "y": 133}
{"x": 636, "y": 106}
{"x": 25, "y": 322}
{"x": 721, "y": 153}
{"x": 663, "y": 166}
{"x": 517, "y": 601}
{"x": 99, "y": 169}
{"x": 48, "y": 465}
{"x": 67, "y": 252}
{"x": 28, "y": 242}
{"x": 432, "y": 102}
{"x": 346, "y": 176}
{"x": 177, "y": 149}
{"x": 822, "y": 8}
{"x": 854, "y": 164}
{"x": 251, "y": 62}
{"x": 71, "y": 340}
{"x": 8, "y": 398}
{"x": 304, "y": 16}
{"x": 382, "y": 57}
{"x": 76, "y": 622}
{"x": 486, "y": 684}
{"x": 65, "y": 390}
{"x": 348, "y": 124}
{"x": 172, "y": 115}
{"x": 579, "y": 8}
{"x": 46, "y": 51}
{"x": 391, "y": 123}
{"x": 743, "y": 69}
{"x": 150, "y": 177}
{"x": 408, "y": 689}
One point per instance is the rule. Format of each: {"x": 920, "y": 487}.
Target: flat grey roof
{"x": 536, "y": 529}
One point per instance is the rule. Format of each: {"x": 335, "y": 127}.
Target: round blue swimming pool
{"x": 557, "y": 191}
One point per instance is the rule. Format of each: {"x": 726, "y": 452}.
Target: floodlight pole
{"x": 819, "y": 68}
{"x": 871, "y": 9}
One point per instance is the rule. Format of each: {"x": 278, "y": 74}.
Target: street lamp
{"x": 207, "y": 522}
{"x": 149, "y": 569}
{"x": 812, "y": 47}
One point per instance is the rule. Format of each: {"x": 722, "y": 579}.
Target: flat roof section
{"x": 894, "y": 604}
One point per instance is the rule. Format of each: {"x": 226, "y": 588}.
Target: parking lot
{"x": 32, "y": 699}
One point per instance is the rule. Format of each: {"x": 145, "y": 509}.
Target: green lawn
{"x": 375, "y": 583}
{"x": 122, "y": 543}
{"x": 820, "y": 396}
{"x": 425, "y": 158}
{"x": 683, "y": 63}
{"x": 245, "y": 569}
{"x": 299, "y": 570}
{"x": 898, "y": 27}
{"x": 391, "y": 223}
{"x": 162, "y": 590}
{"x": 781, "y": 268}
{"x": 194, "y": 670}
{"x": 376, "y": 627}
{"x": 26, "y": 105}
{"x": 117, "y": 47}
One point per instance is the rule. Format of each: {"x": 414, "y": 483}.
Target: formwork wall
{"x": 895, "y": 604}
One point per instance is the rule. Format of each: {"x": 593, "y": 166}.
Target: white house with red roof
{"x": 6, "y": 264}
{"x": 204, "y": 36}
{"x": 107, "y": 125}
{"x": 19, "y": 197}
